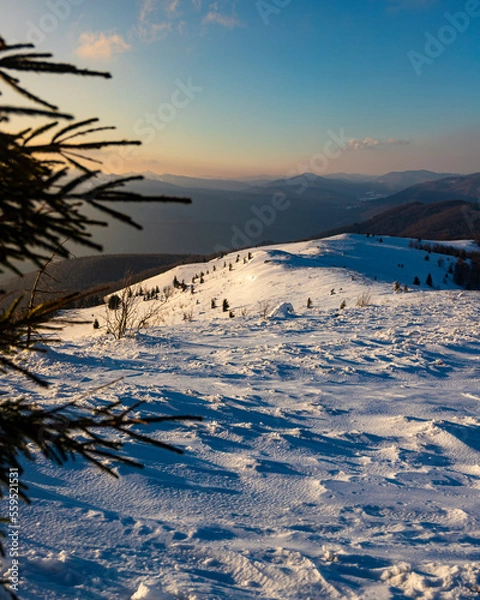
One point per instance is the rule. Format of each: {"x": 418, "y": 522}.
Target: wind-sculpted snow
{"x": 338, "y": 456}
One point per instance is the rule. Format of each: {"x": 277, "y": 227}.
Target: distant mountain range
{"x": 207, "y": 184}
{"x": 387, "y": 184}
{"x": 450, "y": 220}
{"x": 282, "y": 210}
{"x": 453, "y": 187}
{"x": 228, "y": 214}
{"x": 399, "y": 180}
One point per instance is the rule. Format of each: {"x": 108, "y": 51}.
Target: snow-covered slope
{"x": 329, "y": 272}
{"x": 339, "y": 452}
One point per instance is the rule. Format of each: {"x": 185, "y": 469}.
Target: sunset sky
{"x": 231, "y": 88}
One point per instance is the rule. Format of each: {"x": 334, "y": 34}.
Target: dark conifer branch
{"x": 14, "y": 83}
{"x": 32, "y": 112}
{"x": 29, "y": 135}
{"x": 42, "y": 202}
{"x": 30, "y": 62}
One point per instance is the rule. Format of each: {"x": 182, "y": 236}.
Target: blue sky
{"x": 225, "y": 88}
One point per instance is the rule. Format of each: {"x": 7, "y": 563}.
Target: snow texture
{"x": 339, "y": 452}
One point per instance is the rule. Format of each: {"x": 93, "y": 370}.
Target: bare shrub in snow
{"x": 264, "y": 307}
{"x": 130, "y": 314}
{"x": 364, "y": 299}
{"x": 167, "y": 292}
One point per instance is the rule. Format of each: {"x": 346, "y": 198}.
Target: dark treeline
{"x": 96, "y": 295}
{"x": 467, "y": 268}
{"x": 468, "y": 274}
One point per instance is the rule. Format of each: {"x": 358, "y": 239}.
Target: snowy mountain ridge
{"x": 329, "y": 272}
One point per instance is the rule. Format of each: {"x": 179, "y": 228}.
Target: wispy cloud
{"x": 228, "y": 21}
{"x": 222, "y": 13}
{"x": 148, "y": 7}
{"x": 101, "y": 45}
{"x": 159, "y": 18}
{"x": 370, "y": 143}
{"x": 172, "y": 6}
{"x": 169, "y": 8}
{"x": 150, "y": 32}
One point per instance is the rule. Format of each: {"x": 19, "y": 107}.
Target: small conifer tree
{"x": 114, "y": 302}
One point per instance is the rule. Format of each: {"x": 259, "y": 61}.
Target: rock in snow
{"x": 285, "y": 309}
